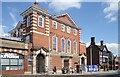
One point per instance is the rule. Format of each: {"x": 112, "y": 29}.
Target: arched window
{"x": 68, "y": 46}
{"x": 75, "y": 46}
{"x": 63, "y": 45}
{"x": 54, "y": 43}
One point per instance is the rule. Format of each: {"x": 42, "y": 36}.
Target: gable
{"x": 66, "y": 18}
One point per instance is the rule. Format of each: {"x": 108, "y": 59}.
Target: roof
{"x": 70, "y": 21}
{"x": 17, "y": 26}
{"x": 102, "y": 47}
{"x": 43, "y": 11}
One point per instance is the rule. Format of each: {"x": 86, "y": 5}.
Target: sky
{"x": 96, "y": 19}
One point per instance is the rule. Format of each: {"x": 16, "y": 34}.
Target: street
{"x": 109, "y": 74}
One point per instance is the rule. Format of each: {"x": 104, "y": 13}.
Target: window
{"x": 68, "y": 29}
{"x": 75, "y": 47}
{"x": 28, "y": 21}
{"x": 54, "y": 43}
{"x": 75, "y": 32}
{"x": 55, "y": 24}
{"x": 40, "y": 21}
{"x": 63, "y": 45}
{"x": 27, "y": 39}
{"x": 12, "y": 61}
{"x": 63, "y": 27}
{"x": 68, "y": 45}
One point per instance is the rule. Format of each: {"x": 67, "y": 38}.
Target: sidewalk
{"x": 89, "y": 73}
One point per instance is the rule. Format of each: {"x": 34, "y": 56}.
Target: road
{"x": 113, "y": 74}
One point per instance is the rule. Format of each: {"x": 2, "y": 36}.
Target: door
{"x": 40, "y": 63}
{"x": 66, "y": 63}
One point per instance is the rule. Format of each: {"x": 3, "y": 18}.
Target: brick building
{"x": 101, "y": 56}
{"x": 52, "y": 40}
{"x": 13, "y": 56}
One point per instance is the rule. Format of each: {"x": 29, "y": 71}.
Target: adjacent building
{"x": 99, "y": 55}
{"x": 13, "y": 56}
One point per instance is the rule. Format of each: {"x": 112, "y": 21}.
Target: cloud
{"x": 12, "y": 14}
{"x": 2, "y": 30}
{"x": 113, "y": 47}
{"x": 111, "y": 11}
{"x": 62, "y": 5}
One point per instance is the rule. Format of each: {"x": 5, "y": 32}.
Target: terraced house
{"x": 51, "y": 40}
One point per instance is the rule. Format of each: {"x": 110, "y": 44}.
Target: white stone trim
{"x": 47, "y": 28}
{"x": 34, "y": 18}
{"x": 33, "y": 28}
{"x": 34, "y": 15}
{"x": 47, "y": 23}
{"x": 33, "y": 24}
{"x": 47, "y": 31}
{"x": 34, "y": 12}
{"x": 47, "y": 19}
{"x": 40, "y": 33}
{"x": 34, "y": 21}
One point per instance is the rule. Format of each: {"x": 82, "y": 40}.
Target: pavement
{"x": 84, "y": 74}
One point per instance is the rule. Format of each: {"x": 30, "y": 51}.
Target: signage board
{"x": 93, "y": 68}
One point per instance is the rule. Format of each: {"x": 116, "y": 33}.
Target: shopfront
{"x": 12, "y": 61}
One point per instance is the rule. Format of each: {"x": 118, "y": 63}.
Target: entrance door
{"x": 40, "y": 63}
{"x": 66, "y": 63}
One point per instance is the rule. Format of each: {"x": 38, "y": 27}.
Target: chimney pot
{"x": 92, "y": 40}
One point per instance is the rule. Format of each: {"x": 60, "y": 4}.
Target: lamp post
{"x": 91, "y": 57}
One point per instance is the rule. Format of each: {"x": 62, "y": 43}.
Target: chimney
{"x": 92, "y": 40}
{"x": 101, "y": 42}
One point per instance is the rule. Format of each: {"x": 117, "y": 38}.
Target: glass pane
{"x": 14, "y": 67}
{"x": 5, "y": 67}
{"x": 20, "y": 67}
{"x": 13, "y": 61}
{"x": 21, "y": 61}
{"x": 5, "y": 61}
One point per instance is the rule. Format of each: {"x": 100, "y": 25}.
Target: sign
{"x": 94, "y": 68}
{"x": 9, "y": 55}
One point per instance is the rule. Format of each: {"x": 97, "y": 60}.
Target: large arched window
{"x": 63, "y": 44}
{"x": 68, "y": 46}
{"x": 54, "y": 43}
{"x": 75, "y": 46}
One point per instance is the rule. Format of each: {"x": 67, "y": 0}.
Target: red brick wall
{"x": 75, "y": 59}
{"x": 82, "y": 48}
{"x": 12, "y": 72}
{"x": 56, "y": 61}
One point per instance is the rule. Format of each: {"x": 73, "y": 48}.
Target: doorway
{"x": 40, "y": 63}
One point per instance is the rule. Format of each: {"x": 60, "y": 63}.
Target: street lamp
{"x": 91, "y": 57}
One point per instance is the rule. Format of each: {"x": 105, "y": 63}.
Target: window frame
{"x": 74, "y": 47}
{"x": 42, "y": 26}
{"x": 53, "y": 24}
{"x": 68, "y": 29}
{"x": 56, "y": 43}
{"x": 64, "y": 44}
{"x": 28, "y": 21}
{"x": 75, "y": 31}
{"x": 70, "y": 46}
{"x": 62, "y": 28}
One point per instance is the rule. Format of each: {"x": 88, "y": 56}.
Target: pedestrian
{"x": 63, "y": 70}
{"x": 54, "y": 70}
{"x": 80, "y": 70}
